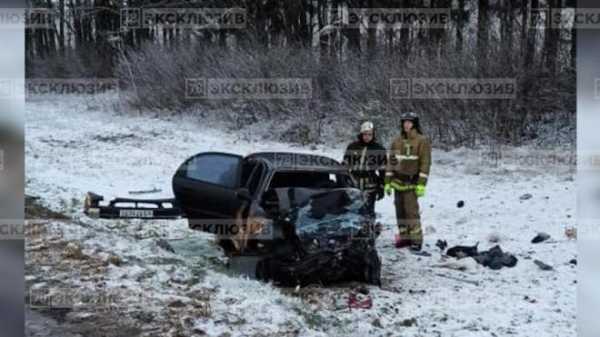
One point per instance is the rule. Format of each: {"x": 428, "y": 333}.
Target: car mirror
{"x": 243, "y": 194}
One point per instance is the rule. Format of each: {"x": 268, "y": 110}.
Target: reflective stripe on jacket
{"x": 409, "y": 159}
{"x": 366, "y": 162}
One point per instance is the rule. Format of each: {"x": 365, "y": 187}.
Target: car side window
{"x": 247, "y": 169}
{"x": 215, "y": 169}
{"x": 255, "y": 179}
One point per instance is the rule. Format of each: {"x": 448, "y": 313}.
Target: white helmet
{"x": 366, "y": 126}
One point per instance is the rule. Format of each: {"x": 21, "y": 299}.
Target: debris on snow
{"x": 540, "y": 237}
{"x": 460, "y": 204}
{"x": 462, "y": 251}
{"x": 542, "y": 265}
{"x": 526, "y": 196}
{"x": 359, "y": 301}
{"x": 442, "y": 245}
{"x": 408, "y": 322}
{"x": 494, "y": 258}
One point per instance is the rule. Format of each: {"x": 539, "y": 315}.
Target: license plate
{"x": 136, "y": 213}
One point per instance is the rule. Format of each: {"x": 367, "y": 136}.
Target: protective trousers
{"x": 408, "y": 217}
{"x": 371, "y": 198}
{"x": 369, "y": 187}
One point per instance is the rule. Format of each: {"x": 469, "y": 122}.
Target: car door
{"x": 206, "y": 188}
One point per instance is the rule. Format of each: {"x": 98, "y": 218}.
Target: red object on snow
{"x": 355, "y": 303}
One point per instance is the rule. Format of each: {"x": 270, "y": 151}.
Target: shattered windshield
{"x": 335, "y": 213}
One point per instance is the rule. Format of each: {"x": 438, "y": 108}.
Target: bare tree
{"x": 551, "y": 39}
{"x": 482, "y": 34}
{"x": 462, "y": 19}
{"x": 531, "y": 36}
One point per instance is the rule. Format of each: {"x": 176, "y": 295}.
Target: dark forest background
{"x": 350, "y": 67}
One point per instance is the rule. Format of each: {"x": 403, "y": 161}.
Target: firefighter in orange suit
{"x": 406, "y": 176}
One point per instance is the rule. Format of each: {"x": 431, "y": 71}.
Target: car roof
{"x": 298, "y": 161}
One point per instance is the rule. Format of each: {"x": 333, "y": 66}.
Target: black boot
{"x": 416, "y": 246}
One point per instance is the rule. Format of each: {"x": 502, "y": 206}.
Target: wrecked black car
{"x": 299, "y": 216}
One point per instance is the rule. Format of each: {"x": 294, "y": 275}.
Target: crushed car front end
{"x": 328, "y": 238}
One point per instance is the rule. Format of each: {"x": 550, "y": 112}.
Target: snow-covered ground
{"x": 74, "y": 146}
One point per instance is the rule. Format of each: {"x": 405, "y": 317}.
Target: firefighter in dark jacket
{"x": 406, "y": 174}
{"x": 366, "y": 159}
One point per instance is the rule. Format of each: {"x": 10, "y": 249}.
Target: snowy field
{"x": 75, "y": 146}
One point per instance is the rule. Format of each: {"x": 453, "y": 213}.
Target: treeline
{"x": 350, "y": 65}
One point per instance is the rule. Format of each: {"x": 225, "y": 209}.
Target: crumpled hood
{"x": 329, "y": 238}
{"x": 324, "y": 218}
